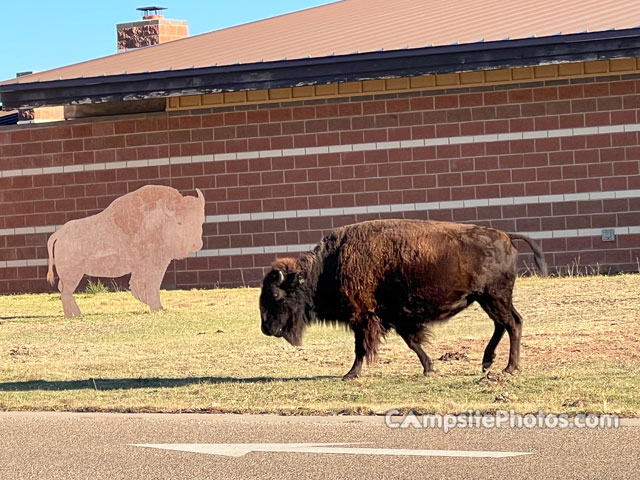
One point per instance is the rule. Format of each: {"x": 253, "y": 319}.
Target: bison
{"x": 139, "y": 233}
{"x": 402, "y": 274}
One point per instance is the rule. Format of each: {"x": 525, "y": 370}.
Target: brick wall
{"x": 559, "y": 160}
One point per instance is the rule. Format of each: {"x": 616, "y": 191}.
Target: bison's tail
{"x": 50, "y": 244}
{"x": 538, "y": 256}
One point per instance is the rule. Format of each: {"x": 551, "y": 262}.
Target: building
{"x": 8, "y": 117}
{"x": 522, "y": 115}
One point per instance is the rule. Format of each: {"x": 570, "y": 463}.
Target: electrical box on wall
{"x": 608, "y": 234}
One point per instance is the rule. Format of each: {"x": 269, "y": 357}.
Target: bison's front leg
{"x": 146, "y": 287}
{"x": 414, "y": 342}
{"x": 360, "y": 354}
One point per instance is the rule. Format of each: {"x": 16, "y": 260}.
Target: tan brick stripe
{"x": 393, "y": 208}
{"x": 396, "y": 208}
{"x": 355, "y": 147}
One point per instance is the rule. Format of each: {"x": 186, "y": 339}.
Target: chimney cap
{"x": 147, "y": 10}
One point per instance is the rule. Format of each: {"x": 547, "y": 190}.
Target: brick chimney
{"x": 151, "y": 30}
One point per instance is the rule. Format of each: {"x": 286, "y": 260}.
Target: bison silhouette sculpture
{"x": 139, "y": 233}
{"x": 381, "y": 275}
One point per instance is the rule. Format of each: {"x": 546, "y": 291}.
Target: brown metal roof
{"x": 8, "y": 117}
{"x": 350, "y": 26}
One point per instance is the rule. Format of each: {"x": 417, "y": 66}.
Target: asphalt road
{"x": 102, "y": 446}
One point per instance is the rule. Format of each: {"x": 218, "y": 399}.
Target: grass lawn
{"x": 205, "y": 353}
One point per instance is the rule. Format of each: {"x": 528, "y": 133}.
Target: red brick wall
{"x": 568, "y": 184}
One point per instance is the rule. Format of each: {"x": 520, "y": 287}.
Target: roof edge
{"x": 333, "y": 69}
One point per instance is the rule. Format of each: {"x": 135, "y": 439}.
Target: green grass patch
{"x": 205, "y": 353}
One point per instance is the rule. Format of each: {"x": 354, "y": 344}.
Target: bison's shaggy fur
{"x": 397, "y": 274}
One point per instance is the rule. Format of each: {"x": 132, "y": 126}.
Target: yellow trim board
{"x": 396, "y": 85}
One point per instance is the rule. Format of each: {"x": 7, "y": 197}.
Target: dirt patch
{"x": 494, "y": 377}
{"x": 20, "y": 350}
{"x": 449, "y": 356}
{"x": 506, "y": 397}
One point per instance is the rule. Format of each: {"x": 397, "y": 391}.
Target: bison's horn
{"x": 280, "y": 276}
{"x": 200, "y": 195}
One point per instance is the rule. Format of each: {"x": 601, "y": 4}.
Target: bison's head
{"x": 183, "y": 224}
{"x": 285, "y": 302}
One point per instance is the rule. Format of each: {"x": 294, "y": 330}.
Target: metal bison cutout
{"x": 139, "y": 233}
{"x": 400, "y": 274}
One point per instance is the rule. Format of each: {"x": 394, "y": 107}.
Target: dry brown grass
{"x": 205, "y": 352}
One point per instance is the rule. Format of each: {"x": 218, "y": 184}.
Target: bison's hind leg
{"x": 414, "y": 339}
{"x": 490, "y": 352}
{"x": 506, "y": 318}
{"x": 67, "y": 287}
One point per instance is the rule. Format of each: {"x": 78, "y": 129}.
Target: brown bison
{"x": 402, "y": 274}
{"x": 139, "y": 233}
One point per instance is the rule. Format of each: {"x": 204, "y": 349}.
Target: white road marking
{"x": 240, "y": 449}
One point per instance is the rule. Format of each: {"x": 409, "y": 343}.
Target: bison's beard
{"x": 295, "y": 329}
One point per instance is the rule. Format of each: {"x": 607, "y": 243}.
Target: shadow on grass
{"x": 24, "y": 317}
{"x": 133, "y": 383}
{"x": 60, "y": 316}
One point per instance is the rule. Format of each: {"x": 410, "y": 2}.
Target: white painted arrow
{"x": 240, "y": 449}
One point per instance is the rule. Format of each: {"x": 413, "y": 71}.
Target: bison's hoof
{"x": 350, "y": 376}
{"x": 429, "y": 373}
{"x": 511, "y": 370}
{"x": 486, "y": 366}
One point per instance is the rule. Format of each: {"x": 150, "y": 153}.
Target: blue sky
{"x": 39, "y": 35}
